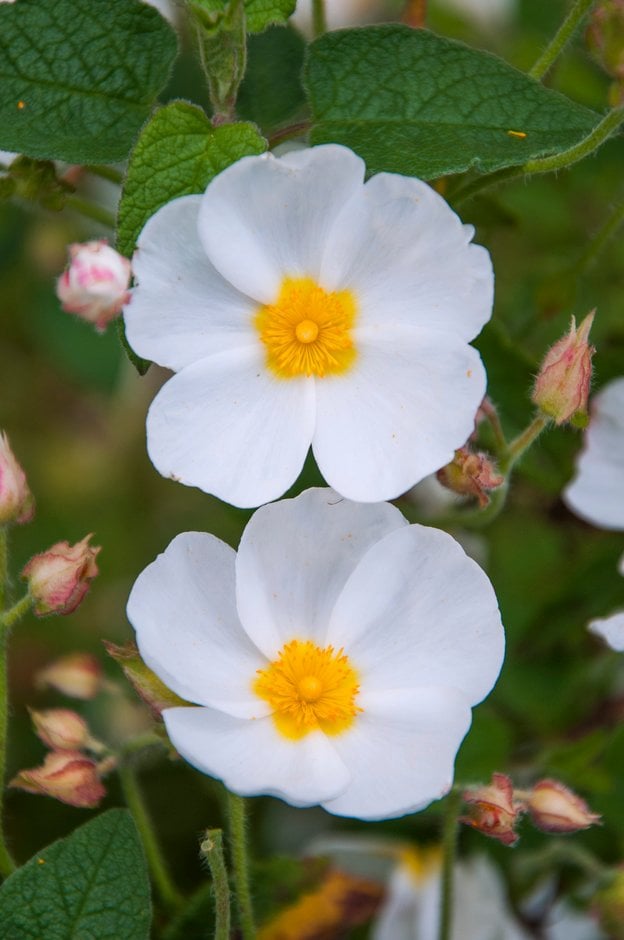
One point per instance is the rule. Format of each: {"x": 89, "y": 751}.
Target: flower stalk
{"x": 12, "y": 616}
{"x": 212, "y": 850}
{"x": 449, "y": 854}
{"x": 319, "y": 18}
{"x": 155, "y": 859}
{"x": 561, "y": 38}
{"x": 240, "y": 863}
{"x": 90, "y": 211}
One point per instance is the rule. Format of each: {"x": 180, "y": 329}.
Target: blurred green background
{"x": 74, "y": 409}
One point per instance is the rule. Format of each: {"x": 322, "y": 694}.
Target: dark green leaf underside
{"x": 78, "y": 80}
{"x": 411, "y": 102}
{"x": 93, "y": 885}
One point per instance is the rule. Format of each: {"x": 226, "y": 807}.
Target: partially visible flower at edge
{"x": 300, "y": 306}
{"x": 334, "y": 659}
{"x": 16, "y": 501}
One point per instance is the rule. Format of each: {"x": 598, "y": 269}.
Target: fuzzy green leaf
{"x": 92, "y": 884}
{"x": 271, "y": 91}
{"x": 78, "y": 81}
{"x": 411, "y": 102}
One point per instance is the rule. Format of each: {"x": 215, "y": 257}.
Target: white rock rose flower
{"x": 596, "y": 493}
{"x": 333, "y": 660}
{"x": 300, "y": 306}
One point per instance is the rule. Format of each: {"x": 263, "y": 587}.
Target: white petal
{"x": 597, "y": 492}
{"x": 400, "y": 412}
{"x": 182, "y": 309}
{"x": 265, "y": 218}
{"x": 182, "y": 608}
{"x": 418, "y": 612}
{"x": 227, "y": 426}
{"x": 400, "y": 752}
{"x": 252, "y": 758}
{"x": 400, "y": 915}
{"x": 610, "y": 629}
{"x": 408, "y": 258}
{"x": 294, "y": 559}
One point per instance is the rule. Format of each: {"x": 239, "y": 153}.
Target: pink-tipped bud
{"x": 61, "y": 729}
{"x": 58, "y": 579}
{"x": 16, "y": 501}
{"x": 470, "y": 474}
{"x": 605, "y": 36}
{"x": 555, "y": 808}
{"x": 562, "y": 385}
{"x": 78, "y": 675}
{"x": 95, "y": 285}
{"x": 67, "y": 776}
{"x": 493, "y": 811}
{"x": 146, "y": 683}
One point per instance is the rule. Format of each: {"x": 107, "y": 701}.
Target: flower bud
{"x": 555, "y": 808}
{"x": 67, "y": 776}
{"x": 493, "y": 810}
{"x": 58, "y": 579}
{"x": 61, "y": 729}
{"x": 78, "y": 675}
{"x": 95, "y": 285}
{"x": 470, "y": 474}
{"x": 605, "y": 36}
{"x": 16, "y": 501}
{"x": 146, "y": 683}
{"x": 562, "y": 385}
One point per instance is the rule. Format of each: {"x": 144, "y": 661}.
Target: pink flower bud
{"x": 605, "y": 36}
{"x": 562, "y": 385}
{"x": 16, "y": 501}
{"x": 67, "y": 776}
{"x": 78, "y": 675}
{"x": 61, "y": 729}
{"x": 493, "y": 810}
{"x": 470, "y": 474}
{"x": 95, "y": 285}
{"x": 59, "y": 578}
{"x": 555, "y": 808}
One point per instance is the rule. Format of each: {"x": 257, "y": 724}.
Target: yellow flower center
{"x": 307, "y": 331}
{"x": 309, "y": 688}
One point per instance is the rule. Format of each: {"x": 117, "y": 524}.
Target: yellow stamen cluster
{"x": 307, "y": 331}
{"x": 309, "y": 688}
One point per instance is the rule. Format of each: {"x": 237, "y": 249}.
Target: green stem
{"x": 12, "y": 616}
{"x": 139, "y": 743}
{"x": 212, "y": 849}
{"x": 158, "y": 867}
{"x": 449, "y": 854}
{"x": 106, "y": 173}
{"x": 598, "y": 136}
{"x": 523, "y": 441}
{"x": 7, "y": 864}
{"x": 240, "y": 864}
{"x": 600, "y": 240}
{"x": 561, "y": 38}
{"x": 287, "y": 133}
{"x": 319, "y": 19}
{"x": 91, "y": 211}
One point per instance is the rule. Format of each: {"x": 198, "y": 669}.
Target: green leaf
{"x": 410, "y": 102}
{"x": 78, "y": 80}
{"x": 271, "y": 90}
{"x": 258, "y": 13}
{"x": 92, "y": 884}
{"x": 178, "y": 153}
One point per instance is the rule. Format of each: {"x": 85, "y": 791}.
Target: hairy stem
{"x": 212, "y": 849}
{"x": 523, "y": 441}
{"x": 240, "y": 864}
{"x": 155, "y": 859}
{"x": 561, "y": 38}
{"x": 598, "y": 136}
{"x": 12, "y": 616}
{"x": 449, "y": 853}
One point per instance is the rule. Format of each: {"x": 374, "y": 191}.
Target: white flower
{"x": 611, "y": 629}
{"x": 301, "y": 307}
{"x": 334, "y": 659}
{"x": 596, "y": 493}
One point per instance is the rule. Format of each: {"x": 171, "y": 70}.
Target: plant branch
{"x": 240, "y": 864}
{"x": 561, "y": 38}
{"x": 212, "y": 850}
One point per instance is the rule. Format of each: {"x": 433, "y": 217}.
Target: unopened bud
{"x": 605, "y": 36}
{"x": 16, "y": 501}
{"x": 555, "y": 808}
{"x": 95, "y": 285}
{"x": 146, "y": 684}
{"x": 493, "y": 811}
{"x": 67, "y": 776}
{"x": 61, "y": 729}
{"x": 562, "y": 385}
{"x": 470, "y": 474}
{"x": 78, "y": 675}
{"x": 58, "y": 579}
